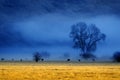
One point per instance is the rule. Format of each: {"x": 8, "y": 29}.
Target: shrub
{"x": 116, "y": 56}
{"x": 42, "y": 59}
{"x": 68, "y": 59}
{"x": 79, "y": 60}
{"x": 2, "y": 59}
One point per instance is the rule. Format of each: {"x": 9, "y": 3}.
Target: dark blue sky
{"x": 27, "y": 26}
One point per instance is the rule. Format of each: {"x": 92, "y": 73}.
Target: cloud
{"x": 27, "y": 8}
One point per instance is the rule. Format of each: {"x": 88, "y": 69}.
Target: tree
{"x": 68, "y": 59}
{"x": 42, "y": 59}
{"x": 36, "y": 56}
{"x": 2, "y": 59}
{"x": 116, "y": 56}
{"x": 86, "y": 38}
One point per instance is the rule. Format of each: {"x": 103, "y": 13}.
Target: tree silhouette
{"x": 42, "y": 59}
{"x": 79, "y": 60}
{"x": 116, "y": 56}
{"x": 2, "y": 59}
{"x": 36, "y": 56}
{"x": 86, "y": 38}
{"x": 68, "y": 59}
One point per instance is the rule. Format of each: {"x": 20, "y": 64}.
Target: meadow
{"x": 59, "y": 71}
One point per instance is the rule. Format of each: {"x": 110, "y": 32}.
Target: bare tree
{"x": 86, "y": 38}
{"x": 36, "y": 56}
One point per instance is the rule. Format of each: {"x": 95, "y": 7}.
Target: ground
{"x": 59, "y": 71}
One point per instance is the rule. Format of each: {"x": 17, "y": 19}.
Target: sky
{"x": 27, "y": 26}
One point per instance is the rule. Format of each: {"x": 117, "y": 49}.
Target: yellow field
{"x": 59, "y": 71}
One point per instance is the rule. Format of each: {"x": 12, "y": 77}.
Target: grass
{"x": 59, "y": 71}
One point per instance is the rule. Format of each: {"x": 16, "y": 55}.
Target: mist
{"x": 26, "y": 30}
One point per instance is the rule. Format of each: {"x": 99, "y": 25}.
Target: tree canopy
{"x": 86, "y": 38}
{"x": 36, "y": 56}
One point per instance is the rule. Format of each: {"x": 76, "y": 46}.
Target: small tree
{"x": 79, "y": 60}
{"x": 116, "y": 56}
{"x": 42, "y": 59}
{"x": 86, "y": 38}
{"x": 36, "y": 56}
{"x": 2, "y": 59}
{"x": 68, "y": 59}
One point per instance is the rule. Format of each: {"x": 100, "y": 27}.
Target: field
{"x": 59, "y": 71}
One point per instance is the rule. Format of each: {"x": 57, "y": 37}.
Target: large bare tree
{"x": 86, "y": 38}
